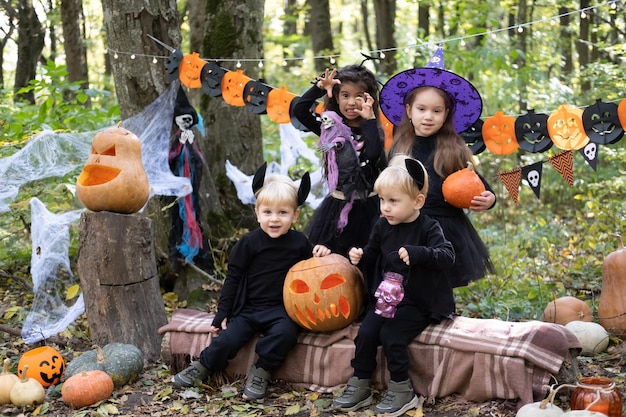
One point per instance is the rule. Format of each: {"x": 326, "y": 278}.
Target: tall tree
{"x": 385, "y": 33}
{"x": 565, "y": 43}
{"x": 320, "y": 31}
{"x": 6, "y": 31}
{"x": 75, "y": 51}
{"x": 30, "y": 43}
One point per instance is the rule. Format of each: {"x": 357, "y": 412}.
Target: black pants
{"x": 394, "y": 335}
{"x": 280, "y": 334}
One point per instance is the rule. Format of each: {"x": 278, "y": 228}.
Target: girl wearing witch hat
{"x": 430, "y": 107}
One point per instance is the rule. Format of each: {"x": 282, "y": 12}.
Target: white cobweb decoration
{"x": 51, "y": 273}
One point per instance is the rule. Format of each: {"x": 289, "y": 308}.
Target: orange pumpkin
{"x": 621, "y": 112}
{"x": 233, "y": 84}
{"x": 597, "y": 394}
{"x": 566, "y": 128}
{"x": 87, "y": 388}
{"x": 278, "y": 105}
{"x": 189, "y": 70}
{"x": 113, "y": 178}
{"x": 612, "y": 303}
{"x": 499, "y": 134}
{"x": 43, "y": 364}
{"x": 460, "y": 187}
{"x": 566, "y": 309}
{"x": 323, "y": 294}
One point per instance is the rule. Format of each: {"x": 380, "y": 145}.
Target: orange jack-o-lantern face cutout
{"x": 278, "y": 105}
{"x": 45, "y": 364}
{"x": 621, "y": 113}
{"x": 323, "y": 293}
{"x": 233, "y": 84}
{"x": 499, "y": 134}
{"x": 566, "y": 128}
{"x": 113, "y": 178}
{"x": 190, "y": 69}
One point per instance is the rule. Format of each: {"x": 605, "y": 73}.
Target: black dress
{"x": 472, "y": 257}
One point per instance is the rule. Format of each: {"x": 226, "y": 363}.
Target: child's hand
{"x": 355, "y": 255}
{"x": 328, "y": 81}
{"x": 216, "y": 330}
{"x": 404, "y": 255}
{"x": 483, "y": 202}
{"x": 364, "y": 107}
{"x": 320, "y": 250}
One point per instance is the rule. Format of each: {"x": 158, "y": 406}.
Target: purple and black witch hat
{"x": 467, "y": 102}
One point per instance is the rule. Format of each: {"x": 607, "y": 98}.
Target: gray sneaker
{"x": 355, "y": 396}
{"x": 398, "y": 399}
{"x": 256, "y": 384}
{"x": 194, "y": 375}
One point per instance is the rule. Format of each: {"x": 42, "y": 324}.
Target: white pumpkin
{"x": 593, "y": 337}
{"x": 539, "y": 409}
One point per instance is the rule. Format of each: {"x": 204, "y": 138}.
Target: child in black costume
{"x": 251, "y": 301}
{"x": 407, "y": 243}
{"x": 342, "y": 221}
{"x": 429, "y": 106}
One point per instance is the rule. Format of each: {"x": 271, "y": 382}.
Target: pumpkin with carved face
{"x": 233, "y": 84}
{"x": 566, "y": 128}
{"x": 601, "y": 122}
{"x": 279, "y": 105}
{"x": 499, "y": 134}
{"x": 44, "y": 364}
{"x": 323, "y": 294}
{"x": 113, "y": 178}
{"x": 190, "y": 69}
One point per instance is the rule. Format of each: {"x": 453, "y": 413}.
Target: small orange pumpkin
{"x": 233, "y": 84}
{"x": 566, "y": 309}
{"x": 279, "y": 104}
{"x": 499, "y": 134}
{"x": 566, "y": 128}
{"x": 87, "y": 388}
{"x": 612, "y": 303}
{"x": 43, "y": 364}
{"x": 113, "y": 178}
{"x": 460, "y": 187}
{"x": 323, "y": 294}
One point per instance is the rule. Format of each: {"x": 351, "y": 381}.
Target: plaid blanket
{"x": 478, "y": 359}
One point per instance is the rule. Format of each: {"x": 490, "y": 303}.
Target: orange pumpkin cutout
{"x": 189, "y": 70}
{"x": 233, "y": 83}
{"x": 113, "y": 178}
{"x": 566, "y": 129}
{"x": 387, "y": 128}
{"x": 45, "y": 364}
{"x": 323, "y": 294}
{"x": 621, "y": 113}
{"x": 278, "y": 105}
{"x": 499, "y": 134}
{"x": 460, "y": 187}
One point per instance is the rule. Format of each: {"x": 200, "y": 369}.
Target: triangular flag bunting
{"x": 590, "y": 153}
{"x": 563, "y": 162}
{"x": 511, "y": 180}
{"x": 532, "y": 174}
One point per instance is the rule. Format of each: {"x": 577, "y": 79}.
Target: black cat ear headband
{"x": 416, "y": 171}
{"x": 303, "y": 190}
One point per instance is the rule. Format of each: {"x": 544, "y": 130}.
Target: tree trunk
{"x": 118, "y": 275}
{"x": 7, "y": 32}
{"x": 321, "y": 32}
{"x": 233, "y": 30}
{"x": 565, "y": 44}
{"x": 75, "y": 51}
{"x": 30, "y": 42}
{"x": 582, "y": 45}
{"x": 196, "y": 17}
{"x": 385, "y": 33}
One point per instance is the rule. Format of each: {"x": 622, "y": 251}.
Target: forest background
{"x": 77, "y": 66}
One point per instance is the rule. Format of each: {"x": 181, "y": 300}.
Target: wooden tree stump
{"x": 118, "y": 276}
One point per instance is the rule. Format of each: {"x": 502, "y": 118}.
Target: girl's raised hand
{"x": 328, "y": 81}
{"x": 364, "y": 108}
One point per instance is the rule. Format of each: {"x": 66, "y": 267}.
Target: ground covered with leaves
{"x": 152, "y": 394}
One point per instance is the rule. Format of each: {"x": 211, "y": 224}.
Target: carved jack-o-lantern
{"x": 255, "y": 96}
{"x": 113, "y": 178}
{"x": 233, "y": 84}
{"x": 211, "y": 77}
{"x": 602, "y": 123}
{"x": 566, "y": 129}
{"x": 323, "y": 293}
{"x": 189, "y": 70}
{"x": 531, "y": 131}
{"x": 279, "y": 104}
{"x": 473, "y": 137}
{"x": 499, "y": 134}
{"x": 45, "y": 364}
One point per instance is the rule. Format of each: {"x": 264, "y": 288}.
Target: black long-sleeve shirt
{"x": 257, "y": 266}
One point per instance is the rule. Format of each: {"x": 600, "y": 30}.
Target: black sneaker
{"x": 398, "y": 399}
{"x": 355, "y": 396}
{"x": 194, "y": 375}
{"x": 256, "y": 384}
